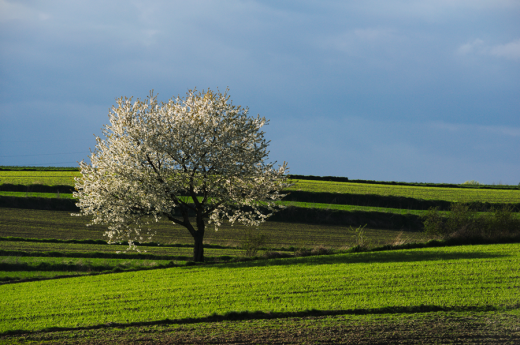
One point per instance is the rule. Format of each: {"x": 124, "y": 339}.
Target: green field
{"x": 449, "y": 278}
{"x": 50, "y": 178}
{"x": 460, "y": 294}
{"x": 285, "y": 203}
{"x": 37, "y": 195}
{"x": 417, "y": 192}
{"x": 41, "y": 225}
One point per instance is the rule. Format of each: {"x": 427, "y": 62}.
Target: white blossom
{"x": 199, "y": 156}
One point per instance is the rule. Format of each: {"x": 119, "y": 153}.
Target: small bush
{"x": 360, "y": 236}
{"x": 252, "y": 243}
{"x": 275, "y": 255}
{"x": 302, "y": 252}
{"x": 321, "y": 250}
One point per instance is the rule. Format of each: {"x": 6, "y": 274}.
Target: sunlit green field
{"x": 455, "y": 288}
{"x": 451, "y": 277}
{"x": 417, "y": 192}
{"x": 37, "y": 195}
{"x": 50, "y": 178}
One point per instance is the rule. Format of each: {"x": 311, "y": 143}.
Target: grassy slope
{"x": 453, "y": 278}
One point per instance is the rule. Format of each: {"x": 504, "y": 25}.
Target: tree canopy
{"x": 196, "y": 160}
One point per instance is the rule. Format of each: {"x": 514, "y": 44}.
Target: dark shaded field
{"x": 61, "y": 225}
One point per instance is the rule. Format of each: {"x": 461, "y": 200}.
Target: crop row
{"x": 13, "y": 268}
{"x": 100, "y": 248}
{"x": 60, "y": 225}
{"x": 450, "y": 277}
{"x": 31, "y": 262}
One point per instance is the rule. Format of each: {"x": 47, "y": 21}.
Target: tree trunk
{"x": 198, "y": 250}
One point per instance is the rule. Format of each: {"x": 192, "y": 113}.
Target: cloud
{"x": 471, "y": 47}
{"x": 509, "y": 50}
{"x": 373, "y": 44}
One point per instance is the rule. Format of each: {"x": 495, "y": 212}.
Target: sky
{"x": 387, "y": 90}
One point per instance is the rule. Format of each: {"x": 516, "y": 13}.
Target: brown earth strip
{"x": 427, "y": 328}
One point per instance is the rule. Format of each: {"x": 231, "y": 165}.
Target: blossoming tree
{"x": 196, "y": 161}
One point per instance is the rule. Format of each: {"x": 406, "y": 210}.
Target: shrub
{"x": 473, "y": 183}
{"x": 252, "y": 243}
{"x": 302, "y": 252}
{"x": 321, "y": 250}
{"x": 360, "y": 236}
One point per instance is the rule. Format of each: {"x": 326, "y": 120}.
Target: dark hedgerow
{"x": 464, "y": 222}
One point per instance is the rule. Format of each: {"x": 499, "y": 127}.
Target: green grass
{"x": 418, "y": 192}
{"x": 38, "y": 195}
{"x": 51, "y": 178}
{"x": 453, "y": 278}
{"x": 427, "y": 193}
{"x": 287, "y": 203}
{"x": 36, "y": 168}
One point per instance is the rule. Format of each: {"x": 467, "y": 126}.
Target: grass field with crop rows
{"x": 452, "y": 278}
{"x": 55, "y": 272}
{"x": 60, "y": 225}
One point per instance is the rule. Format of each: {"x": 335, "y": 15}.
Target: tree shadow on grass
{"x": 259, "y": 315}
